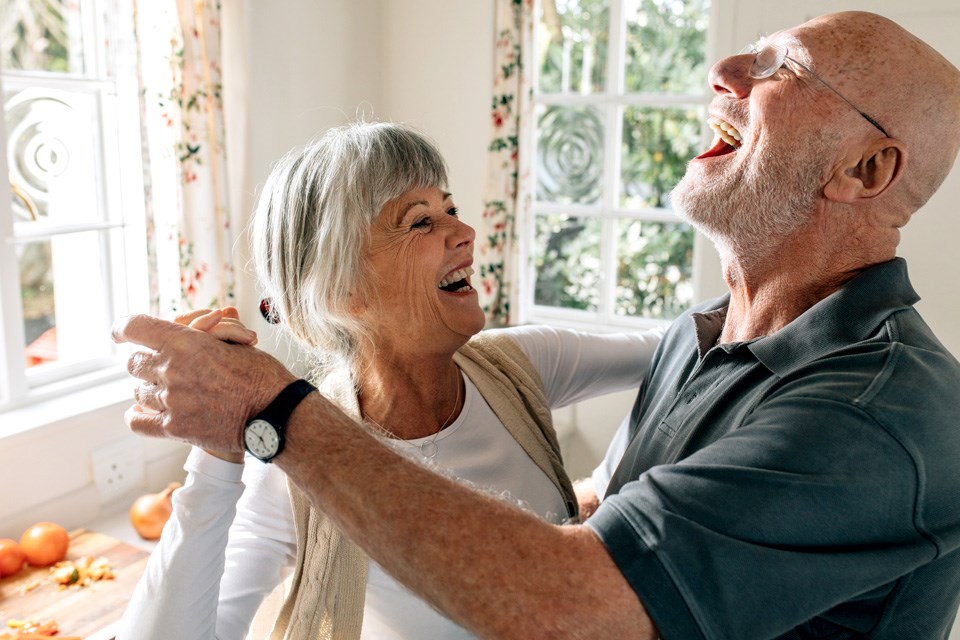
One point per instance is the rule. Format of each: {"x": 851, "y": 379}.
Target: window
{"x": 619, "y": 101}
{"x": 68, "y": 260}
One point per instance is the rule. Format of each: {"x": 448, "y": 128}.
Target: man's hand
{"x": 224, "y": 324}
{"x": 196, "y": 387}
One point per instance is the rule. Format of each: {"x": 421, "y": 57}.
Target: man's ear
{"x": 868, "y": 175}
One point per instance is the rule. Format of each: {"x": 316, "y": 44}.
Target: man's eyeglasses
{"x": 772, "y": 56}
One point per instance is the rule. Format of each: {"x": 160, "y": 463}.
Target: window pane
{"x": 53, "y": 154}
{"x": 569, "y": 154}
{"x": 666, "y": 44}
{"x": 39, "y": 311}
{"x": 41, "y": 36}
{"x": 567, "y": 260}
{"x": 654, "y": 269}
{"x": 64, "y": 292}
{"x": 574, "y": 35}
{"x": 657, "y": 144}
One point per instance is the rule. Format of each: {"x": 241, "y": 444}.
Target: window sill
{"x": 113, "y": 387}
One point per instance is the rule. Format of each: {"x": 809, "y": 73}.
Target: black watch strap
{"x": 278, "y": 412}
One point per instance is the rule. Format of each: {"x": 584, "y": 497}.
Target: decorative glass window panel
{"x": 569, "y": 154}
{"x": 53, "y": 154}
{"x": 619, "y": 100}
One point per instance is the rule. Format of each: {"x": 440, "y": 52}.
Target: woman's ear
{"x": 869, "y": 174}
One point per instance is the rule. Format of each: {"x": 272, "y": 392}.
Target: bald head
{"x": 903, "y": 83}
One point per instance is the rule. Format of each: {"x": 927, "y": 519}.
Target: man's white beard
{"x": 751, "y": 210}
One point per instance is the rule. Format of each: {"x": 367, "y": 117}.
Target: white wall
{"x": 437, "y": 75}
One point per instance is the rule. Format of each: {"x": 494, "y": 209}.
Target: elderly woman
{"x": 359, "y": 246}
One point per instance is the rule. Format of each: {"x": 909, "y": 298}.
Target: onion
{"x": 150, "y": 512}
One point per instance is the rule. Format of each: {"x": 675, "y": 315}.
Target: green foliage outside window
{"x": 35, "y": 35}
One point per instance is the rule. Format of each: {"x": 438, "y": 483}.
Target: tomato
{"x": 44, "y": 543}
{"x": 11, "y": 557}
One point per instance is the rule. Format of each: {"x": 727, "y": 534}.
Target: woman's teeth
{"x": 457, "y": 276}
{"x": 727, "y": 132}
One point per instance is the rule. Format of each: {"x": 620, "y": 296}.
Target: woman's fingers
{"x": 206, "y": 321}
{"x": 224, "y": 324}
{"x": 233, "y": 331}
{"x": 190, "y": 316}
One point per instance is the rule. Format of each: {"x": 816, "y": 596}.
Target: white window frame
{"x": 611, "y": 102}
{"x": 112, "y": 83}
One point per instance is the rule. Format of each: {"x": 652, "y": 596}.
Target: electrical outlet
{"x": 118, "y": 469}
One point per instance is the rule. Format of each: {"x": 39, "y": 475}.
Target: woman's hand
{"x": 587, "y": 497}
{"x": 224, "y": 324}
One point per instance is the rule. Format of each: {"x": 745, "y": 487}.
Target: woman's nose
{"x": 462, "y": 234}
{"x": 730, "y": 76}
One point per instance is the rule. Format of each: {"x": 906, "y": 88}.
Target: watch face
{"x": 261, "y": 439}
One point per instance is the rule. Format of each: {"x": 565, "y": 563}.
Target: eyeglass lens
{"x": 767, "y": 61}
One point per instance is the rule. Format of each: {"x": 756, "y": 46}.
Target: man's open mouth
{"x": 457, "y": 281}
{"x": 728, "y": 138}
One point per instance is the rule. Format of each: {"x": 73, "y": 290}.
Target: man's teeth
{"x": 459, "y": 274}
{"x": 727, "y": 132}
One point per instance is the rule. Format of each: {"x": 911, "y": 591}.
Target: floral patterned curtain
{"x": 508, "y": 193}
{"x": 185, "y": 170}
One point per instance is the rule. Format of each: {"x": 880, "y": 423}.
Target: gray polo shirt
{"x": 801, "y": 485}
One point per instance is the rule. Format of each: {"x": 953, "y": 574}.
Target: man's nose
{"x": 730, "y": 76}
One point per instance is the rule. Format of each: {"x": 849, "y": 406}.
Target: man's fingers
{"x": 231, "y": 312}
{"x": 144, "y": 422}
{"x": 149, "y": 396}
{"x": 144, "y": 330}
{"x": 143, "y": 365}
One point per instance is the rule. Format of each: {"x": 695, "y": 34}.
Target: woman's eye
{"x": 422, "y": 223}
{"x": 453, "y": 211}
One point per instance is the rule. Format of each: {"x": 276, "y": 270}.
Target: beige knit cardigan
{"x": 328, "y": 588}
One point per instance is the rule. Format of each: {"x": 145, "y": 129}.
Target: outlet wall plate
{"x": 118, "y": 469}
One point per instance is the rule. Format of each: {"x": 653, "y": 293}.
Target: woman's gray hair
{"x": 313, "y": 220}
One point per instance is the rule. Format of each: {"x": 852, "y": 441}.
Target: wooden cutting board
{"x": 78, "y": 611}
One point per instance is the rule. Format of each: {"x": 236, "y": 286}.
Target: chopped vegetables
{"x": 81, "y": 571}
{"x": 33, "y": 630}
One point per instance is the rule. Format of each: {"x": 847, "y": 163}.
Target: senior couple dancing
{"x": 787, "y": 470}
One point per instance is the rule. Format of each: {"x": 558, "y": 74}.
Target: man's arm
{"x": 502, "y": 572}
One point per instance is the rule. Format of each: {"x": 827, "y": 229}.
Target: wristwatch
{"x": 263, "y": 436}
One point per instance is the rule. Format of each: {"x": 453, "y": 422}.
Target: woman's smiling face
{"x": 418, "y": 267}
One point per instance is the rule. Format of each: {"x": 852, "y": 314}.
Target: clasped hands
{"x": 201, "y": 378}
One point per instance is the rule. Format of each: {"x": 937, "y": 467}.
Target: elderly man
{"x": 789, "y": 465}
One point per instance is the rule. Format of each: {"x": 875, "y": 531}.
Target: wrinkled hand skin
{"x": 196, "y": 388}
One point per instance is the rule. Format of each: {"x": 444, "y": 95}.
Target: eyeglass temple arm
{"x": 840, "y": 95}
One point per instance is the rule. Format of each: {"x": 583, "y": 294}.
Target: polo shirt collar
{"x": 847, "y": 316}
